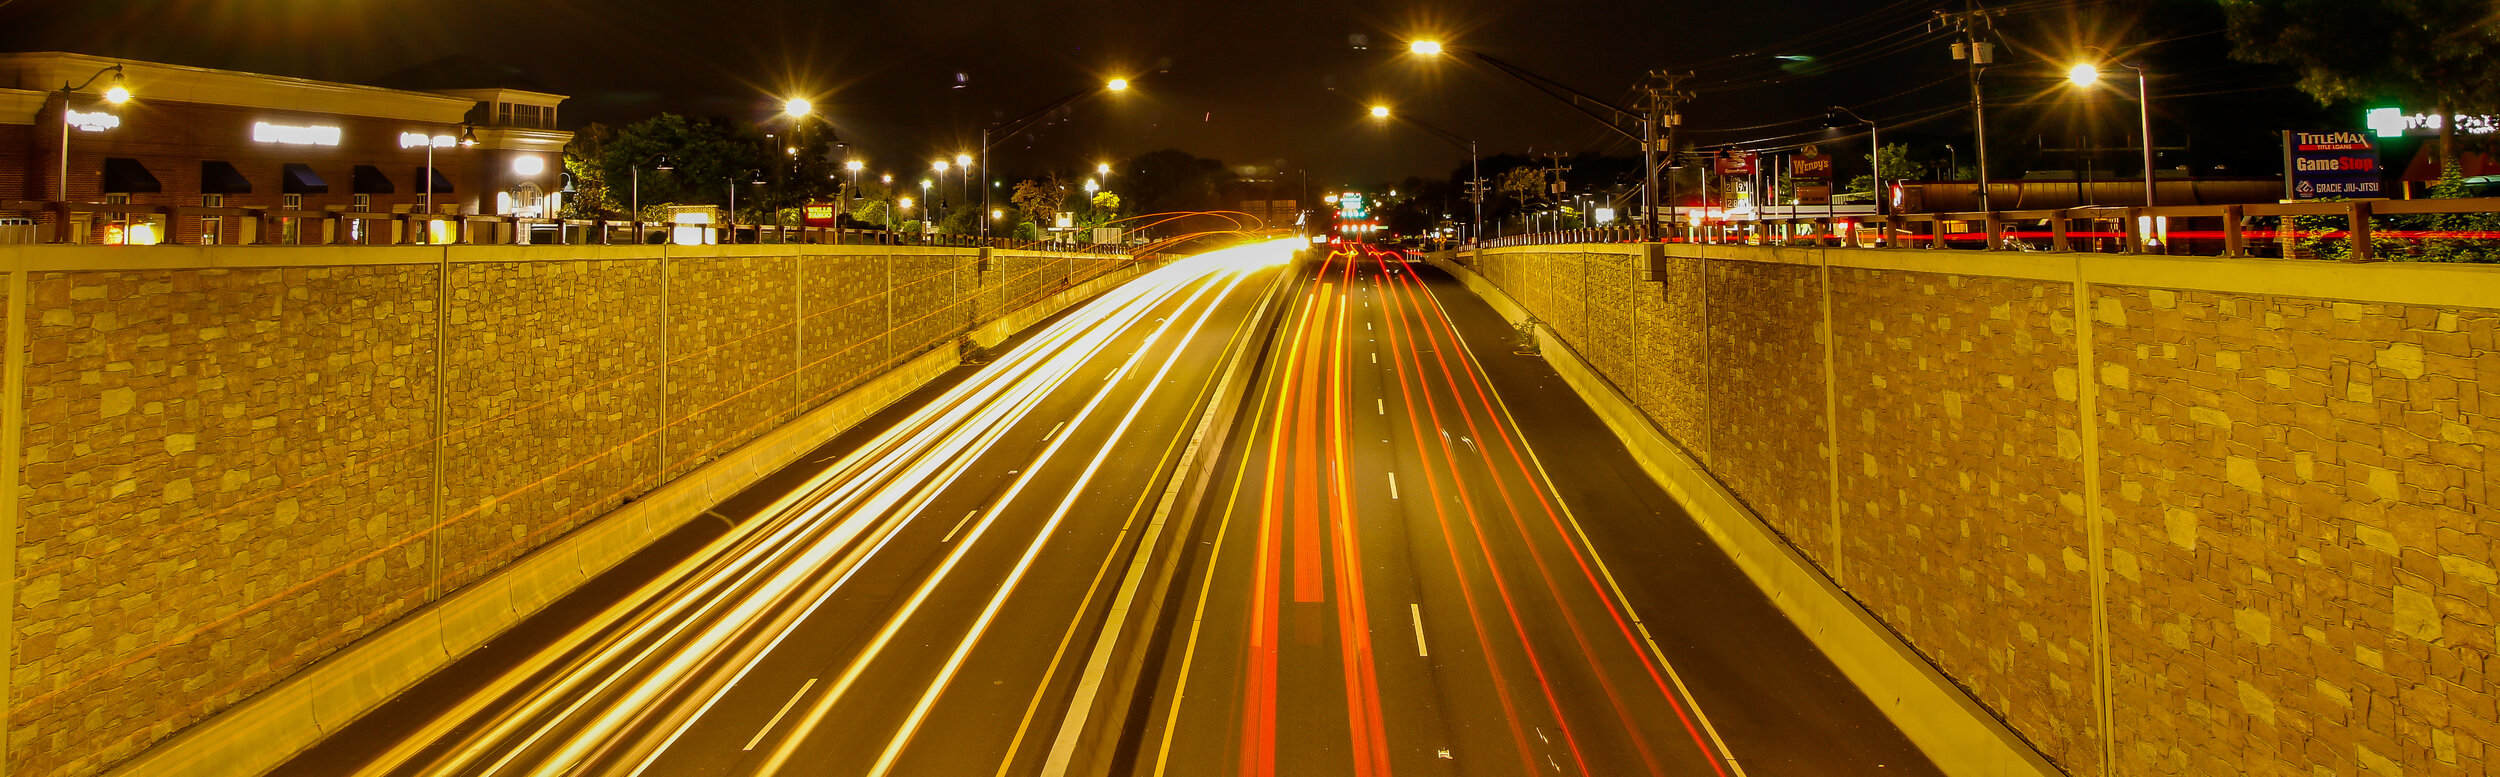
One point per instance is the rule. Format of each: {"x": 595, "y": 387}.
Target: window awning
{"x": 442, "y": 185}
{"x": 368, "y": 179}
{"x": 222, "y": 178}
{"x": 127, "y": 176}
{"x": 300, "y": 179}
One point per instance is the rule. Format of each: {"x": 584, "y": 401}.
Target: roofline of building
{"x": 494, "y": 94}
{"x": 184, "y": 83}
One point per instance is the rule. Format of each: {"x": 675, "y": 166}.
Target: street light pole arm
{"x": 1444, "y": 135}
{"x": 82, "y": 85}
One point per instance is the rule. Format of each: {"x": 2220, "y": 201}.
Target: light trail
{"x": 622, "y": 690}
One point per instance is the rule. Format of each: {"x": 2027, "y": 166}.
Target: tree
{"x": 1039, "y": 200}
{"x": 2444, "y": 54}
{"x": 706, "y": 154}
{"x": 592, "y": 196}
{"x": 1898, "y": 166}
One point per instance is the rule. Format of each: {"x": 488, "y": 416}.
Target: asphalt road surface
{"x": 1432, "y": 558}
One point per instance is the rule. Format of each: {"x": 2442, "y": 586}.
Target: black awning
{"x": 127, "y": 176}
{"x": 300, "y": 179}
{"x": 442, "y": 185}
{"x": 368, "y": 179}
{"x": 222, "y": 178}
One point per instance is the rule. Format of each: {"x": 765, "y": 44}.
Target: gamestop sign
{"x": 2318, "y": 165}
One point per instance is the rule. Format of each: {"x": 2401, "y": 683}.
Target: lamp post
{"x": 1874, "y": 139}
{"x": 2083, "y": 76}
{"x": 116, "y": 92}
{"x": 854, "y": 166}
{"x": 992, "y": 136}
{"x": 963, "y": 167}
{"x": 758, "y": 175}
{"x": 468, "y": 139}
{"x": 663, "y": 166}
{"x": 1476, "y": 185}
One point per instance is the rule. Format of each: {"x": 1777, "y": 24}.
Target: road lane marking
{"x": 1393, "y": 485}
{"x": 1417, "y": 609}
{"x": 959, "y": 526}
{"x": 1381, "y": 404}
{"x": 1375, "y": 357}
{"x": 785, "y": 710}
{"x": 1054, "y": 431}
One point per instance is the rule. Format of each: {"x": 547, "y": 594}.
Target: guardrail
{"x": 271, "y": 226}
{"x": 2359, "y": 230}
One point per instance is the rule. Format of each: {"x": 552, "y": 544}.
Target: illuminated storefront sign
{"x": 2331, "y": 164}
{"x": 2396, "y": 123}
{"x": 93, "y": 122}
{"x": 265, "y": 132}
{"x": 420, "y": 139}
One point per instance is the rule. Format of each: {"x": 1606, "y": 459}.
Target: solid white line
{"x": 1054, "y": 431}
{"x": 1418, "y": 611}
{"x": 785, "y": 710}
{"x": 1393, "y": 485}
{"x": 959, "y": 526}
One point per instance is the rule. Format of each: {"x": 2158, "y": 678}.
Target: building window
{"x": 291, "y": 227}
{"x": 212, "y": 228}
{"x": 356, "y": 227}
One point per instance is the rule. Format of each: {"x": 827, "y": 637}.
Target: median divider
{"x": 1112, "y": 691}
{"x": 261, "y": 733}
{"x": 1953, "y": 729}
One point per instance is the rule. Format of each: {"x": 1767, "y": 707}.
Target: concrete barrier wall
{"x": 2159, "y": 515}
{"x": 222, "y": 464}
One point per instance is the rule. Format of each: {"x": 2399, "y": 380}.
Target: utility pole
{"x": 1976, "y": 25}
{"x": 1661, "y": 93}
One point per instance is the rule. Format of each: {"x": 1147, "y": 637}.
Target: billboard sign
{"x": 1811, "y": 173}
{"x": 1736, "y": 164}
{"x": 2342, "y": 163}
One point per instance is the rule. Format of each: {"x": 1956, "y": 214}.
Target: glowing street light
{"x": 940, "y": 166}
{"x": 116, "y": 92}
{"x": 1092, "y": 186}
{"x": 1476, "y": 191}
{"x": 1429, "y": 48}
{"x": 797, "y": 107}
{"x": 1117, "y": 85}
{"x": 1103, "y": 169}
{"x": 1380, "y": 111}
{"x": 2084, "y": 75}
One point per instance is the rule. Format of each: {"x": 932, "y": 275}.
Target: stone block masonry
{"x": 2161, "y": 516}
{"x": 221, "y": 465}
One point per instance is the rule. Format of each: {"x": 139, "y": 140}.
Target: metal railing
{"x": 271, "y": 226}
{"x": 2360, "y": 230}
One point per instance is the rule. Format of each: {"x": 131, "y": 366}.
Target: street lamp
{"x": 992, "y": 136}
{"x": 663, "y": 166}
{"x": 758, "y": 175}
{"x": 1873, "y": 139}
{"x": 854, "y": 166}
{"x": 1476, "y": 186}
{"x": 2084, "y": 75}
{"x": 116, "y": 92}
{"x": 1429, "y": 48}
{"x": 468, "y": 138}
{"x": 797, "y": 107}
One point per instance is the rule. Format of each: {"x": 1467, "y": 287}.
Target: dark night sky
{"x": 1270, "y": 82}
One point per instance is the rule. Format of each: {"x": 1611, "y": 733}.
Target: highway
{"x": 1418, "y": 553}
{"x": 1401, "y": 578}
{"x": 919, "y": 606}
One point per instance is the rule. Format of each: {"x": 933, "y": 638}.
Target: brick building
{"x": 200, "y": 138}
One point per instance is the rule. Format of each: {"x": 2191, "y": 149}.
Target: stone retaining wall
{"x": 233, "y": 461}
{"x": 2269, "y": 551}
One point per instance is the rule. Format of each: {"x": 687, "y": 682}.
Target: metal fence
{"x": 281, "y": 226}
{"x": 2363, "y": 230}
